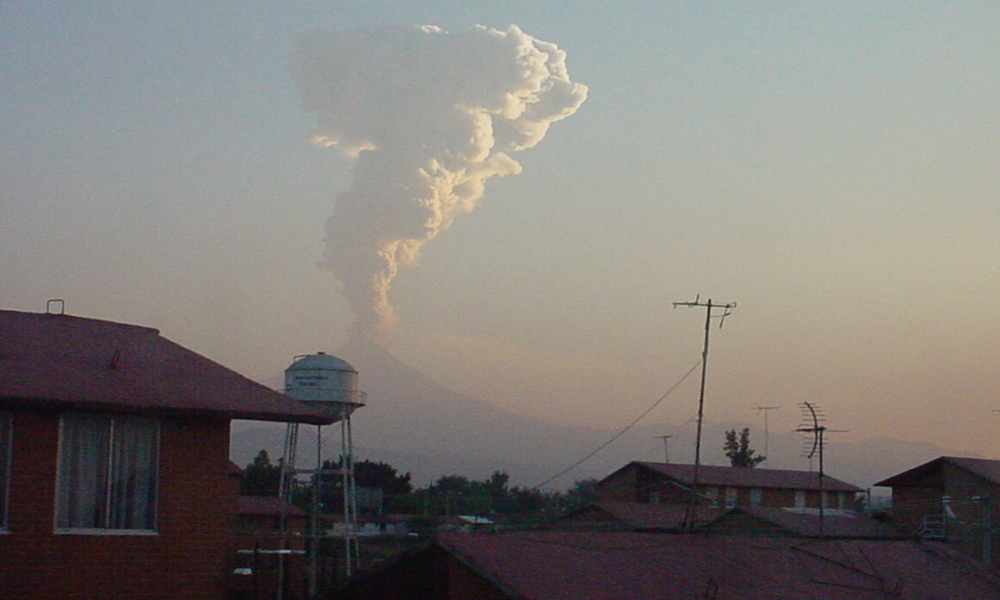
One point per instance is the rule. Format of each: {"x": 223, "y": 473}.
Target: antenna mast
{"x": 719, "y": 311}
{"x": 813, "y": 416}
{"x": 666, "y": 447}
{"x": 767, "y": 434}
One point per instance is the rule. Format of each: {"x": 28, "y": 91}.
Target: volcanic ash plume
{"x": 428, "y": 118}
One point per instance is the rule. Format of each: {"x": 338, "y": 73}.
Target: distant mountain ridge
{"x": 419, "y": 426}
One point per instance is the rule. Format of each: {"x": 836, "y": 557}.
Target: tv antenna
{"x": 712, "y": 311}
{"x": 813, "y": 418}
{"x": 767, "y": 435}
{"x": 666, "y": 447}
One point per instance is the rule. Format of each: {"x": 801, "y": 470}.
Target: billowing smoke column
{"x": 428, "y": 117}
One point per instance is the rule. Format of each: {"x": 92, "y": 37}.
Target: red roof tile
{"x": 551, "y": 565}
{"x": 89, "y": 364}
{"x": 749, "y": 477}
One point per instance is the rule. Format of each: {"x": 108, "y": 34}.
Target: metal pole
{"x": 666, "y": 447}
{"x": 987, "y": 531}
{"x": 346, "y": 482}
{"x": 822, "y": 486}
{"x": 314, "y": 525}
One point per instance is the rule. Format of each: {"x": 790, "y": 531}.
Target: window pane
{"x": 133, "y": 482}
{"x": 107, "y": 473}
{"x": 5, "y": 441}
{"x": 83, "y": 471}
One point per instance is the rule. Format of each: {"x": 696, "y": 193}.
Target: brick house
{"x": 953, "y": 499}
{"x": 727, "y": 487}
{"x": 115, "y": 480}
{"x": 269, "y": 548}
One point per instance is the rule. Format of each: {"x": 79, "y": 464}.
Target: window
{"x": 5, "y": 441}
{"x": 712, "y": 494}
{"x": 800, "y": 498}
{"x": 732, "y": 497}
{"x": 107, "y": 473}
{"x": 756, "y": 496}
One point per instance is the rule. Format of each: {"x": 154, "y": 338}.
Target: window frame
{"x": 111, "y": 469}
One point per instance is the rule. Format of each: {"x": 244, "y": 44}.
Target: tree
{"x": 739, "y": 451}
{"x": 261, "y": 478}
{"x": 383, "y": 476}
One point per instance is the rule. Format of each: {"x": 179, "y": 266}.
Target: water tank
{"x": 324, "y": 382}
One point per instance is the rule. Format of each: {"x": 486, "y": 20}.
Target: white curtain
{"x": 107, "y": 472}
{"x": 83, "y": 471}
{"x": 133, "y": 482}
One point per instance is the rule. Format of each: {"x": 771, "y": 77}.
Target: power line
{"x": 620, "y": 433}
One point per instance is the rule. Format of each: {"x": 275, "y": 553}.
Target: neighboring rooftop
{"x": 630, "y": 566}
{"x": 90, "y": 364}
{"x": 987, "y": 469}
{"x": 635, "y": 516}
{"x": 555, "y": 565}
{"x": 760, "y": 520}
{"x": 749, "y": 477}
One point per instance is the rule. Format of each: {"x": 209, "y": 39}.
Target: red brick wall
{"x": 186, "y": 559}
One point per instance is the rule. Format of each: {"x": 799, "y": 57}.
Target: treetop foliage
{"x": 739, "y": 451}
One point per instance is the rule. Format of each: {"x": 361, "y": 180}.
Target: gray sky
{"x": 831, "y": 167}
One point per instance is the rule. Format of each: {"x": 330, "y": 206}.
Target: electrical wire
{"x": 622, "y": 432}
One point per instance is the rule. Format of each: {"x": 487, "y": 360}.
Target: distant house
{"x": 806, "y": 523}
{"x": 636, "y": 516}
{"x": 726, "y": 487}
{"x": 953, "y": 499}
{"x": 115, "y": 480}
{"x": 269, "y": 548}
{"x": 748, "y": 520}
{"x": 261, "y": 517}
{"x": 552, "y": 565}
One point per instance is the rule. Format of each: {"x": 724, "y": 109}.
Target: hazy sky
{"x": 832, "y": 167}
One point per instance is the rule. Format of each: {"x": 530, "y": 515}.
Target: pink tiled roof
{"x": 89, "y": 364}
{"x": 556, "y": 565}
{"x": 749, "y": 477}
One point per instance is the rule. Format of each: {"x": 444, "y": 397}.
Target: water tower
{"x": 329, "y": 385}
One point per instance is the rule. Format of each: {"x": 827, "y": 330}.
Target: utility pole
{"x": 765, "y": 409}
{"x": 719, "y": 311}
{"x": 666, "y": 448}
